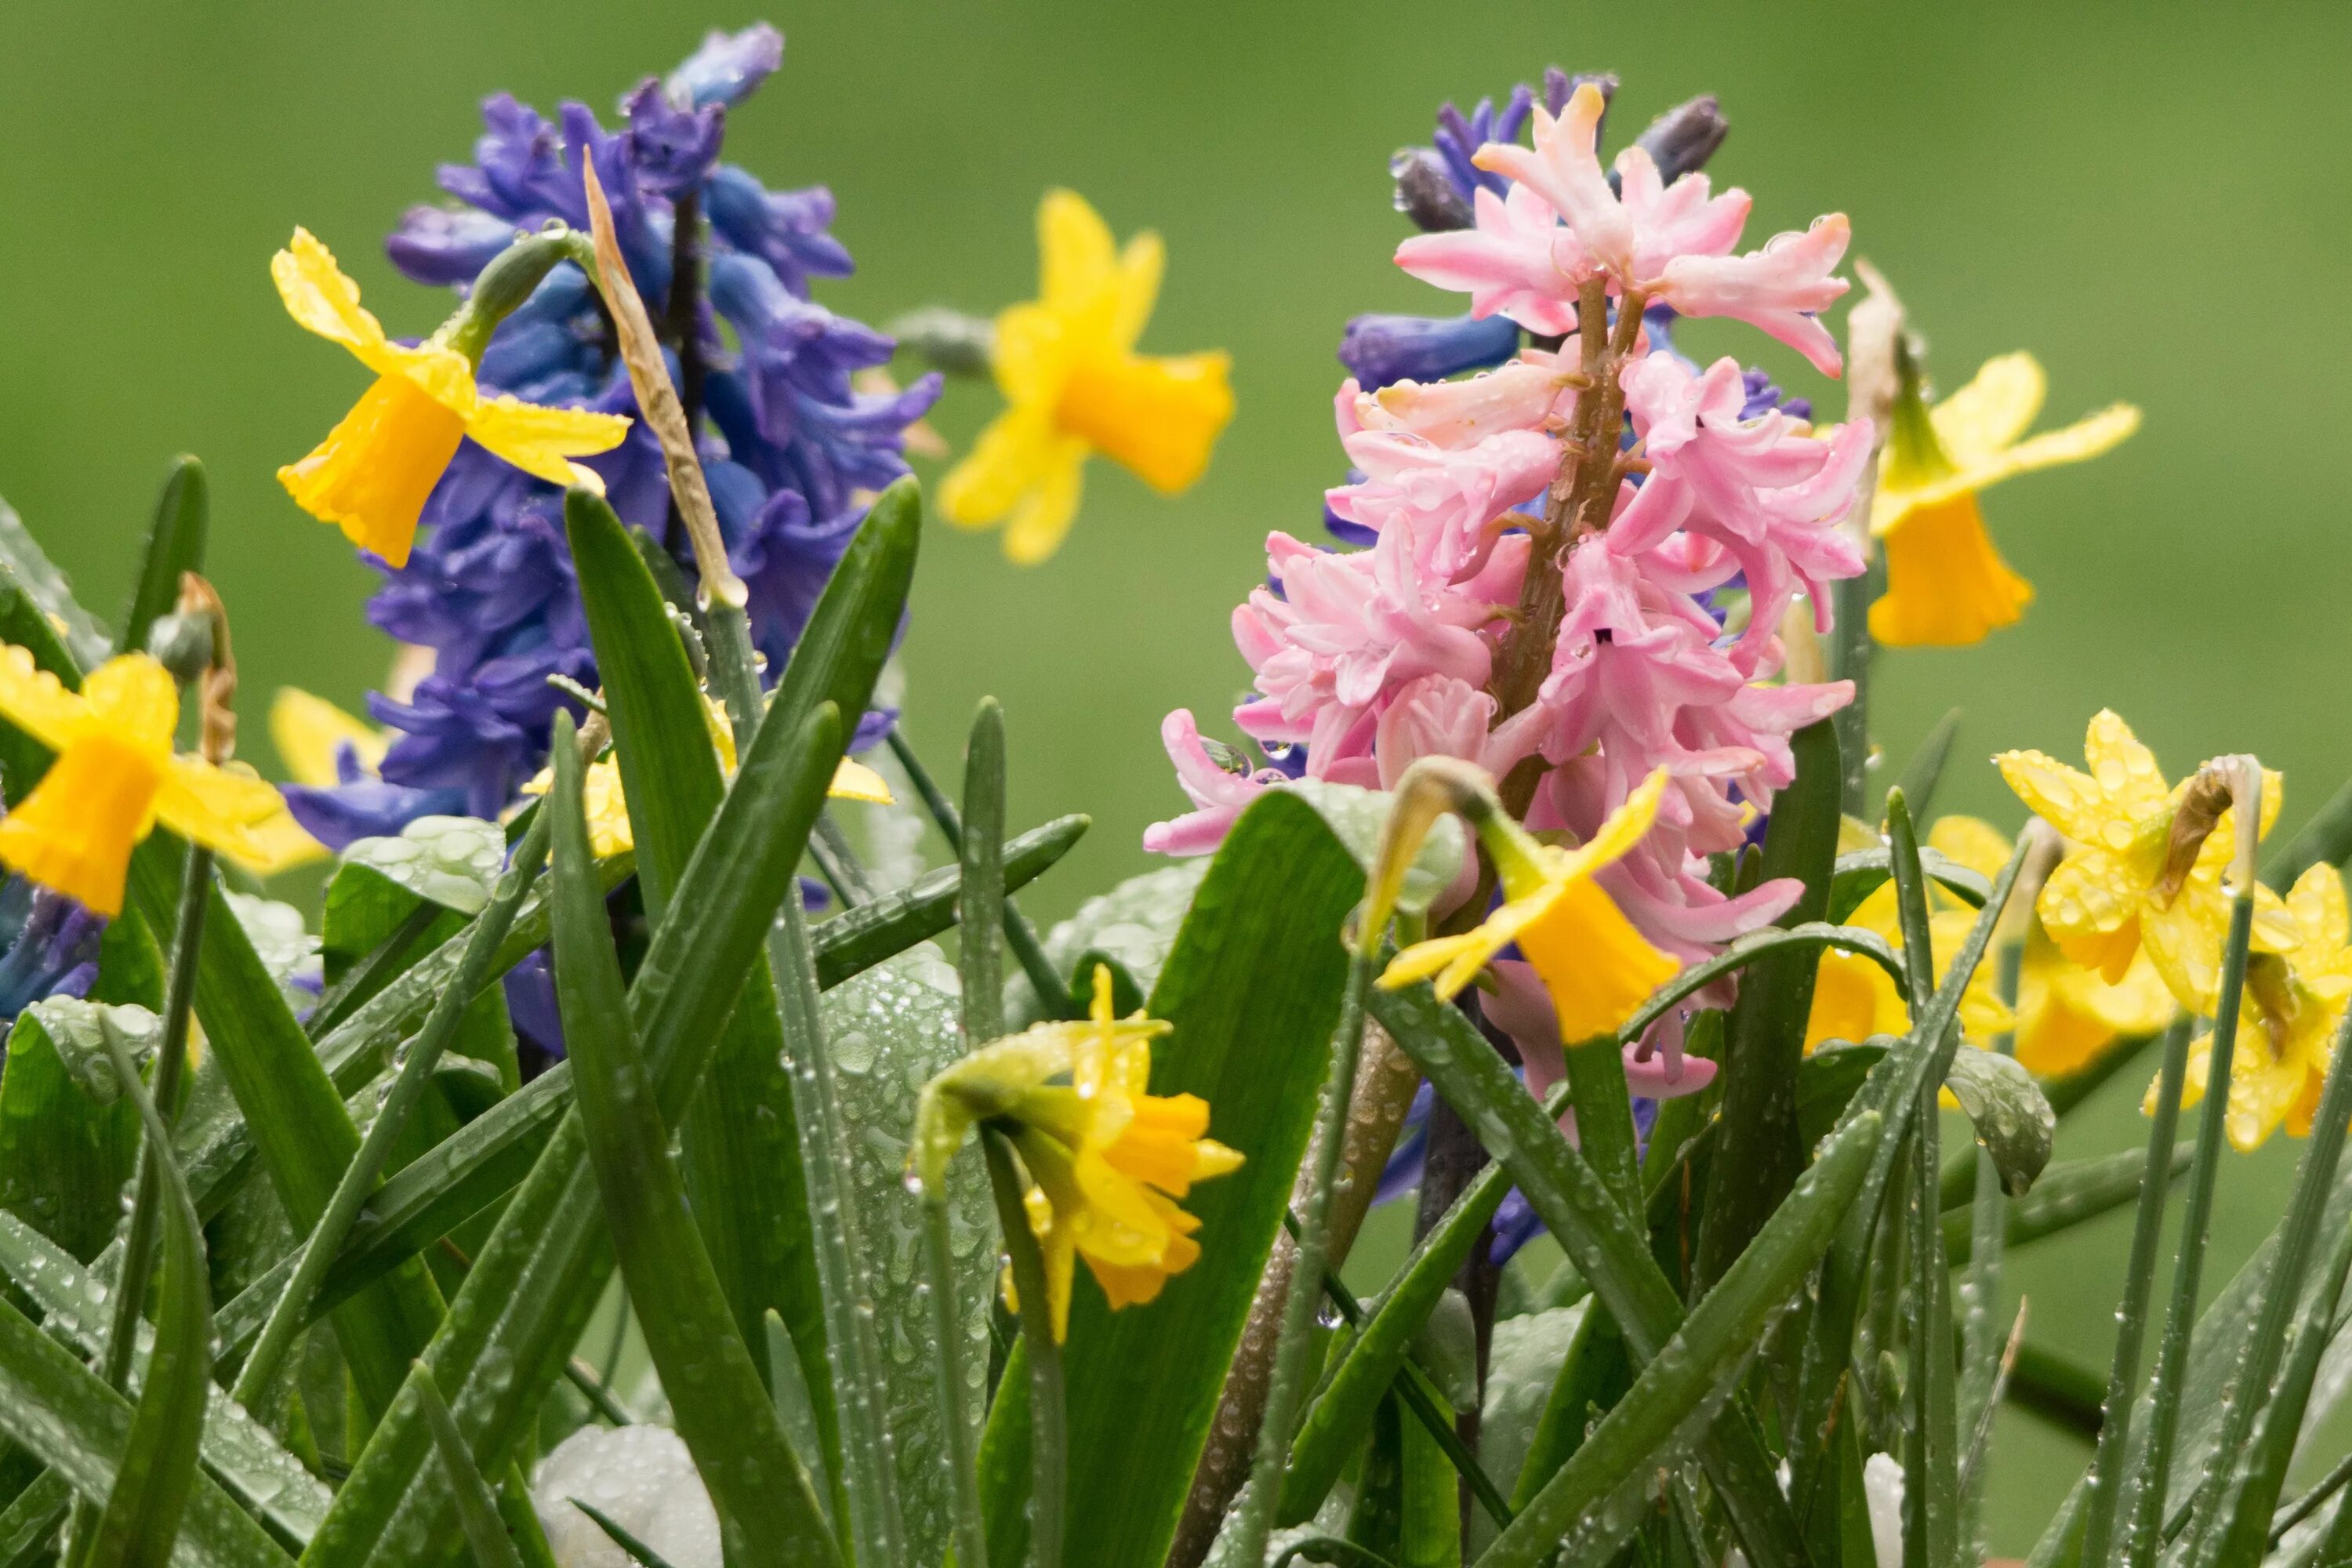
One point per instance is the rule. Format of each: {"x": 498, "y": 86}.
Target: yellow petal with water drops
{"x": 1852, "y": 999}
{"x": 2053, "y": 1038}
{"x": 1424, "y": 959}
{"x": 2317, "y": 903}
{"x": 36, "y": 701}
{"x": 372, "y": 473}
{"x": 2185, "y": 943}
{"x": 2125, "y": 770}
{"x": 321, "y": 299}
{"x": 1621, "y": 829}
{"x": 135, "y": 699}
{"x": 1077, "y": 258}
{"x": 1947, "y": 586}
{"x": 542, "y": 441}
{"x": 1157, "y": 416}
{"x": 74, "y": 833}
{"x": 1970, "y": 842}
{"x": 1992, "y": 410}
{"x": 1597, "y": 965}
{"x": 852, "y": 779}
{"x": 311, "y": 733}
{"x": 235, "y": 811}
{"x": 2064, "y": 797}
{"x": 1140, "y": 265}
{"x": 2091, "y": 894}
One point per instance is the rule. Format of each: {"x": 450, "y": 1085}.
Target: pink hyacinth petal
{"x": 1564, "y": 166}
{"x": 1219, "y": 796}
{"x": 1780, "y": 289}
{"x": 1508, "y": 263}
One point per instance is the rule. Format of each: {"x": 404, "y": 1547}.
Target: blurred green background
{"x": 2140, "y": 194}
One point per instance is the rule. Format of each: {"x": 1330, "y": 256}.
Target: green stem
{"x": 1851, "y": 652}
{"x": 1049, "y": 1438}
{"x": 2166, "y": 1384}
{"x": 955, "y": 1392}
{"x": 292, "y": 1310}
{"x": 1286, "y": 1385}
{"x": 1604, "y": 1119}
{"x": 2103, "y": 1485}
{"x": 1981, "y": 1337}
{"x": 1019, "y": 934}
{"x": 982, "y": 891}
{"x": 868, "y": 1463}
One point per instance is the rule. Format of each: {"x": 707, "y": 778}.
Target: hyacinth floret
{"x": 794, "y": 438}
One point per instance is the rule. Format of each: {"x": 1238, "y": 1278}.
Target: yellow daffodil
{"x": 1074, "y": 385}
{"x": 609, "y": 833}
{"x": 1596, "y": 966}
{"x": 372, "y": 474}
{"x": 116, "y": 776}
{"x": 2294, "y": 1004}
{"x": 1108, "y": 1159}
{"x": 311, "y": 733}
{"x": 2109, "y": 897}
{"x": 1854, "y": 998}
{"x": 1945, "y": 585}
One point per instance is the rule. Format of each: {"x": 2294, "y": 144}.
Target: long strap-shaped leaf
{"x": 158, "y": 1461}
{"x": 1607, "y": 1247}
{"x": 721, "y": 1407}
{"x": 1712, "y": 1342}
{"x": 477, "y": 1509}
{"x": 510, "y": 1329}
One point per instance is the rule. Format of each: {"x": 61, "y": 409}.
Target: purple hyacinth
{"x": 49, "y": 946}
{"x": 792, "y": 451}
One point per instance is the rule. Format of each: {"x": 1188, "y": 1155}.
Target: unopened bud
{"x": 946, "y": 340}
{"x": 182, "y": 645}
{"x": 1425, "y": 192}
{"x": 1684, "y": 138}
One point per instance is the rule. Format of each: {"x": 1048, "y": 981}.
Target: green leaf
{"x": 287, "y": 950}
{"x": 175, "y": 543}
{"x": 238, "y": 1451}
{"x": 301, "y": 1129}
{"x": 1700, "y": 1358}
{"x": 511, "y": 1327}
{"x": 1134, "y": 923}
{"x": 54, "y": 1406}
{"x": 25, "y": 563}
{"x": 716, "y": 1394}
{"x": 1765, "y": 1038}
{"x": 1926, "y": 768}
{"x": 1931, "y": 1499}
{"x": 1598, "y": 1237}
{"x": 1863, "y": 872}
{"x": 452, "y": 861}
{"x": 477, "y": 1509}
{"x": 890, "y": 1031}
{"x": 2069, "y": 1193}
{"x": 858, "y": 939}
{"x": 639, "y": 1553}
{"x": 1253, "y": 989}
{"x": 2014, "y": 1124}
{"x": 158, "y": 1468}
{"x": 2326, "y": 839}
{"x": 1357, "y": 817}
{"x": 64, "y": 1154}
{"x": 29, "y": 1524}
{"x": 1524, "y": 1364}
{"x": 1813, "y": 935}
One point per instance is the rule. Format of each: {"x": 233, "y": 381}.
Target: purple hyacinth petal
{"x": 727, "y": 66}
{"x": 1380, "y": 349}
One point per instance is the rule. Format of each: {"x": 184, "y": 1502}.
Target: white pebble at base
{"x": 1882, "y": 1488}
{"x": 640, "y": 1478}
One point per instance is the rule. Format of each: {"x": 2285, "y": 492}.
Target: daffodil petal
{"x": 319, "y": 297}
{"x": 1077, "y": 258}
{"x": 36, "y": 701}
{"x": 541, "y": 441}
{"x": 1994, "y": 409}
{"x": 1947, "y": 586}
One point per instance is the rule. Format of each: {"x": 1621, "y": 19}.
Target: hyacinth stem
{"x": 1049, "y": 1440}
{"x": 1253, "y": 1522}
{"x": 1020, "y": 935}
{"x": 868, "y": 1466}
{"x": 409, "y": 1085}
{"x": 2166, "y": 1383}
{"x": 2103, "y": 1486}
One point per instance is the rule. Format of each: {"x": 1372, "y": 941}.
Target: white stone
{"x": 640, "y": 1478}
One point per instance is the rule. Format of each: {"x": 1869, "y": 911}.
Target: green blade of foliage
{"x": 981, "y": 899}
{"x": 715, "y": 1392}
{"x": 2071, "y": 1193}
{"x": 1931, "y": 1438}
{"x": 477, "y": 1509}
{"x": 1253, "y": 989}
{"x": 48, "y": 594}
{"x": 240, "y": 1453}
{"x": 639, "y": 1553}
{"x": 1926, "y": 768}
{"x": 1812, "y": 936}
{"x": 2325, "y": 840}
{"x": 1765, "y": 1040}
{"x": 175, "y": 543}
{"x": 484, "y": 1159}
{"x": 300, "y": 1126}
{"x": 1608, "y": 1247}
{"x": 29, "y": 1524}
{"x": 64, "y": 1155}
{"x": 511, "y": 1327}
{"x": 741, "y": 1158}
{"x": 2013, "y": 1122}
{"x": 57, "y": 1409}
{"x": 1861, "y": 872}
{"x": 1720, "y": 1332}
{"x": 158, "y": 1468}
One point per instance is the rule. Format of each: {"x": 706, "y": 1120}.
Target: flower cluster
{"x": 793, "y": 440}
{"x": 1554, "y": 543}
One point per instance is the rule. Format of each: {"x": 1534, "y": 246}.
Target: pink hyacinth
{"x": 1536, "y": 391}
{"x": 1219, "y": 796}
{"x": 1510, "y": 263}
{"x": 1656, "y": 1068}
{"x": 1449, "y": 500}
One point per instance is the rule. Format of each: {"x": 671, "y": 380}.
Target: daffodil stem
{"x": 2104, "y": 1486}
{"x": 422, "y": 1054}
{"x": 1285, "y": 1387}
{"x": 1049, "y": 1441}
{"x": 868, "y": 1464}
{"x": 955, "y": 1392}
{"x": 2167, "y": 1383}
{"x": 1019, "y": 934}
{"x": 502, "y": 287}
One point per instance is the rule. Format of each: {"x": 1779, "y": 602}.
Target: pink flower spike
{"x": 1681, "y": 219}
{"x": 1530, "y": 392}
{"x": 1780, "y": 289}
{"x": 1521, "y": 1008}
{"x": 1219, "y": 796}
{"x": 1564, "y": 166}
{"x": 1449, "y": 502}
{"x": 1510, "y": 264}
